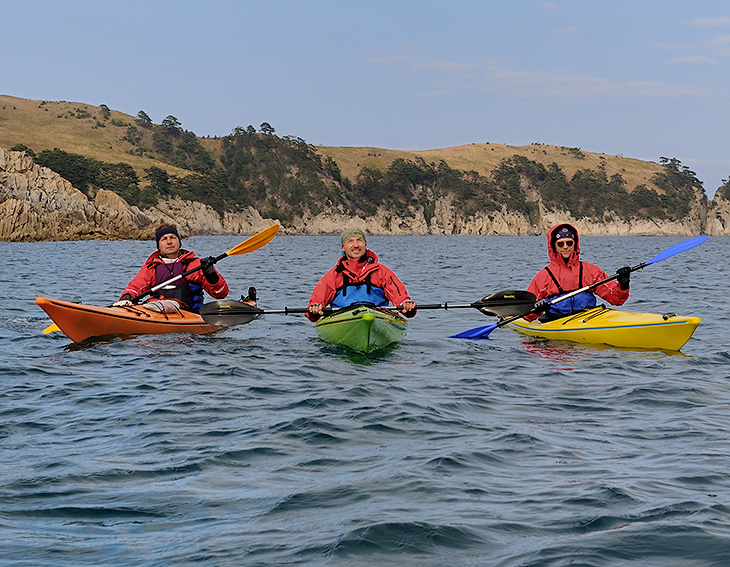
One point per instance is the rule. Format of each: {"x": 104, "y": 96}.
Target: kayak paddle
{"x": 485, "y": 331}
{"x": 499, "y": 304}
{"x": 258, "y": 240}
{"x": 255, "y": 242}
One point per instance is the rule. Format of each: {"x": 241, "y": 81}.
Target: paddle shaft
{"x": 444, "y": 306}
{"x": 560, "y": 298}
{"x": 186, "y": 273}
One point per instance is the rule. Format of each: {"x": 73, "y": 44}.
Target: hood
{"x": 552, "y": 254}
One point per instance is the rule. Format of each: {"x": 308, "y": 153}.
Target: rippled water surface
{"x": 259, "y": 445}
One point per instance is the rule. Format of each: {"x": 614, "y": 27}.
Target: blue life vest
{"x": 187, "y": 293}
{"x": 583, "y": 300}
{"x": 359, "y": 293}
{"x": 363, "y": 292}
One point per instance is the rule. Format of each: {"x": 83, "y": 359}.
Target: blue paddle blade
{"x": 677, "y": 248}
{"x": 476, "y": 333}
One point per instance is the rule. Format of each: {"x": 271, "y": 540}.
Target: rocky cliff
{"x": 37, "y": 204}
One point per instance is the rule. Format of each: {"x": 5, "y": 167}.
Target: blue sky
{"x": 638, "y": 78}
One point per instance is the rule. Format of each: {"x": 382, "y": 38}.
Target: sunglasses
{"x": 564, "y": 243}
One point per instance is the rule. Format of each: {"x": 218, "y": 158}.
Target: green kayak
{"x": 364, "y": 328}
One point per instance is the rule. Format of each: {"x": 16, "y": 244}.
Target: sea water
{"x": 259, "y": 445}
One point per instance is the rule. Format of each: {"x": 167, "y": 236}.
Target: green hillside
{"x": 282, "y": 177}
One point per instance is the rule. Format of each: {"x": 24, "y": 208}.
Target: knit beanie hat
{"x": 163, "y": 231}
{"x": 352, "y": 233}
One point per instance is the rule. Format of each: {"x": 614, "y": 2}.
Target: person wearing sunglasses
{"x": 566, "y": 272}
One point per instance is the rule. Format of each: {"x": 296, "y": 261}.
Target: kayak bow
{"x": 363, "y": 328}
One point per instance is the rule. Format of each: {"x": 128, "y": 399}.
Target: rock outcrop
{"x": 718, "y": 217}
{"x": 37, "y": 204}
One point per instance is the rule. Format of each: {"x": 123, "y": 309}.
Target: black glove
{"x": 541, "y": 306}
{"x": 624, "y": 277}
{"x": 209, "y": 271}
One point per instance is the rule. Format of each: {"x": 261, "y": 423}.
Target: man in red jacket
{"x": 358, "y": 277}
{"x": 171, "y": 260}
{"x": 566, "y": 272}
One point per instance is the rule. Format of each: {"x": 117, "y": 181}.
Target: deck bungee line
{"x": 362, "y": 328}
{"x": 516, "y": 324}
{"x": 601, "y": 325}
{"x": 608, "y": 328}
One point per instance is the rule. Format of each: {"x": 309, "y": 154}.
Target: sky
{"x": 639, "y": 78}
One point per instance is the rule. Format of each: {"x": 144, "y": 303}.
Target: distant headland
{"x": 71, "y": 171}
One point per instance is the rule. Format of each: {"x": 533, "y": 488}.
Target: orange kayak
{"x": 80, "y": 322}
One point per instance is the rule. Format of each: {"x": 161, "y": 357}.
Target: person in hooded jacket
{"x": 167, "y": 262}
{"x": 567, "y": 272}
{"x": 358, "y": 277}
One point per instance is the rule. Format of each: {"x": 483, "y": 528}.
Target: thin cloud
{"x": 697, "y": 60}
{"x": 393, "y": 62}
{"x": 527, "y": 84}
{"x": 419, "y": 65}
{"x": 440, "y": 67}
{"x": 720, "y": 41}
{"x": 717, "y": 47}
{"x": 719, "y": 21}
{"x": 538, "y": 84}
{"x": 436, "y": 94}
{"x": 566, "y": 31}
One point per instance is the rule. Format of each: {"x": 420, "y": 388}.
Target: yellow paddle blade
{"x": 257, "y": 241}
{"x": 50, "y": 329}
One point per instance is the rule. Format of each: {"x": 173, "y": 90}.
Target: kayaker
{"x": 167, "y": 262}
{"x": 358, "y": 277}
{"x": 566, "y": 272}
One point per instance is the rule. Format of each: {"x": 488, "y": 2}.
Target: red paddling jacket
{"x": 187, "y": 291}
{"x": 558, "y": 278}
{"x": 359, "y": 280}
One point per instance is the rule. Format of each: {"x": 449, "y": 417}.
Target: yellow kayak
{"x": 601, "y": 325}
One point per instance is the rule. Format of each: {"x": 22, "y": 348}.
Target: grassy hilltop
{"x": 44, "y": 125}
{"x": 71, "y": 126}
{"x": 485, "y": 157}
{"x": 97, "y": 147}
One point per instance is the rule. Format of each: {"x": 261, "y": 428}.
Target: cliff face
{"x": 37, "y": 204}
{"x": 718, "y": 218}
